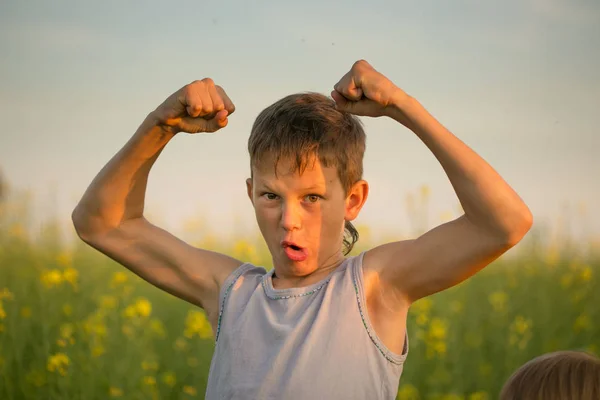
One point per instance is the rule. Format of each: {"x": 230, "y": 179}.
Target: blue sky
{"x": 518, "y": 81}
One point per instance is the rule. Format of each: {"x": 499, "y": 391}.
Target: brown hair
{"x": 303, "y": 125}
{"x": 559, "y": 375}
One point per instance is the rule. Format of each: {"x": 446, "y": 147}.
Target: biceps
{"x": 441, "y": 258}
{"x": 162, "y": 260}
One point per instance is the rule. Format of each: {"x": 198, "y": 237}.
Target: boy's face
{"x": 302, "y": 217}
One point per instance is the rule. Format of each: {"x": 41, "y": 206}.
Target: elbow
{"x": 78, "y": 221}
{"x": 83, "y": 225}
{"x": 519, "y": 227}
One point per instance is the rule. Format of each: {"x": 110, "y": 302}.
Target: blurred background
{"x": 517, "y": 81}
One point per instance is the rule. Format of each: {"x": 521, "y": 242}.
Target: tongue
{"x": 295, "y": 255}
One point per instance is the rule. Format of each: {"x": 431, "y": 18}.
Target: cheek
{"x": 266, "y": 218}
{"x": 332, "y": 219}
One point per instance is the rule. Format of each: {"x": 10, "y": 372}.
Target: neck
{"x": 285, "y": 279}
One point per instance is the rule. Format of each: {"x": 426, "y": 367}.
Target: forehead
{"x": 285, "y": 170}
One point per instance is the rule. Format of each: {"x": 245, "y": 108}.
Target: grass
{"x": 74, "y": 324}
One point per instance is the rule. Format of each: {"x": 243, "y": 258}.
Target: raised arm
{"x": 110, "y": 215}
{"x": 495, "y": 217}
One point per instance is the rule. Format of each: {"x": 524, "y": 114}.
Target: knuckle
{"x": 359, "y": 64}
{"x": 208, "y": 81}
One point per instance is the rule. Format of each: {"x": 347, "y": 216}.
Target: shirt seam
{"x": 392, "y": 357}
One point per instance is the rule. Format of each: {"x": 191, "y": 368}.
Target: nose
{"x": 290, "y": 217}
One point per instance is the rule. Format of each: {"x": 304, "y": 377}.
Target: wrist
{"x": 153, "y": 127}
{"x": 402, "y": 107}
{"x": 154, "y": 124}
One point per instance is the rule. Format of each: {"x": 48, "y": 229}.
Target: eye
{"x": 313, "y": 198}
{"x": 270, "y": 196}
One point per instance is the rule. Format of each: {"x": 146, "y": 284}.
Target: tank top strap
{"x": 357, "y": 273}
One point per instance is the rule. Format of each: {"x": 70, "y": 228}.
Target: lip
{"x": 289, "y": 243}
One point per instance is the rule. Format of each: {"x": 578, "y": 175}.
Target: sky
{"x": 518, "y": 81}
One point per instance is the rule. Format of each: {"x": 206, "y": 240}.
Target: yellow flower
{"x": 59, "y": 362}
{"x": 197, "y": 324}
{"x": 97, "y": 351}
{"x": 119, "y": 278}
{"x": 521, "y": 325}
{"x": 582, "y": 323}
{"x": 130, "y": 312}
{"x": 189, "y": 390}
{"x": 422, "y": 305}
{"x": 61, "y": 343}
{"x": 408, "y": 392}
{"x": 244, "y": 250}
{"x": 6, "y": 294}
{"x": 66, "y": 330}
{"x": 67, "y": 309}
{"x": 169, "y": 378}
{"x": 422, "y": 319}
{"x": 586, "y": 274}
{"x": 143, "y": 307}
{"x": 25, "y": 312}
{"x": 2, "y": 312}
{"x": 192, "y": 361}
{"x": 479, "y": 396}
{"x": 437, "y": 329}
{"x": 51, "y": 278}
{"x": 36, "y": 378}
{"x": 149, "y": 381}
{"x": 149, "y": 365}
{"x": 520, "y": 332}
{"x": 70, "y": 275}
{"x": 108, "y": 302}
{"x": 566, "y": 280}
{"x": 498, "y": 301}
{"x": 115, "y": 392}
{"x": 157, "y": 327}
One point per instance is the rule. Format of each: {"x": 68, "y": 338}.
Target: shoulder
{"x": 245, "y": 275}
{"x": 380, "y": 264}
{"x": 381, "y": 258}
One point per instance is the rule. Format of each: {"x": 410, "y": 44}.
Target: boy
{"x": 318, "y": 325}
{"x": 559, "y": 375}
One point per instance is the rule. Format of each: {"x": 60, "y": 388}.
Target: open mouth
{"x": 294, "y": 252}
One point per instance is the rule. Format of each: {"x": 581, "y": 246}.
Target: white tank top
{"x": 314, "y": 342}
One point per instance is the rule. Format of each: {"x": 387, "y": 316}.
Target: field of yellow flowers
{"x": 75, "y": 325}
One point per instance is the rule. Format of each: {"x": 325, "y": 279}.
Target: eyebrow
{"x": 266, "y": 186}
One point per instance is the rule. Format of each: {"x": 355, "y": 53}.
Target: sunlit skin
{"x": 309, "y": 209}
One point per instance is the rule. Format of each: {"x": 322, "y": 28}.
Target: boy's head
{"x": 306, "y": 161}
{"x": 559, "y": 375}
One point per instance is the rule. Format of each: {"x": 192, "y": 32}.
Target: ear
{"x": 357, "y": 196}
{"x": 249, "y": 189}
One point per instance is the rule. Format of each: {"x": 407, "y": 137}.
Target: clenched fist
{"x": 200, "y": 106}
{"x": 364, "y": 91}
